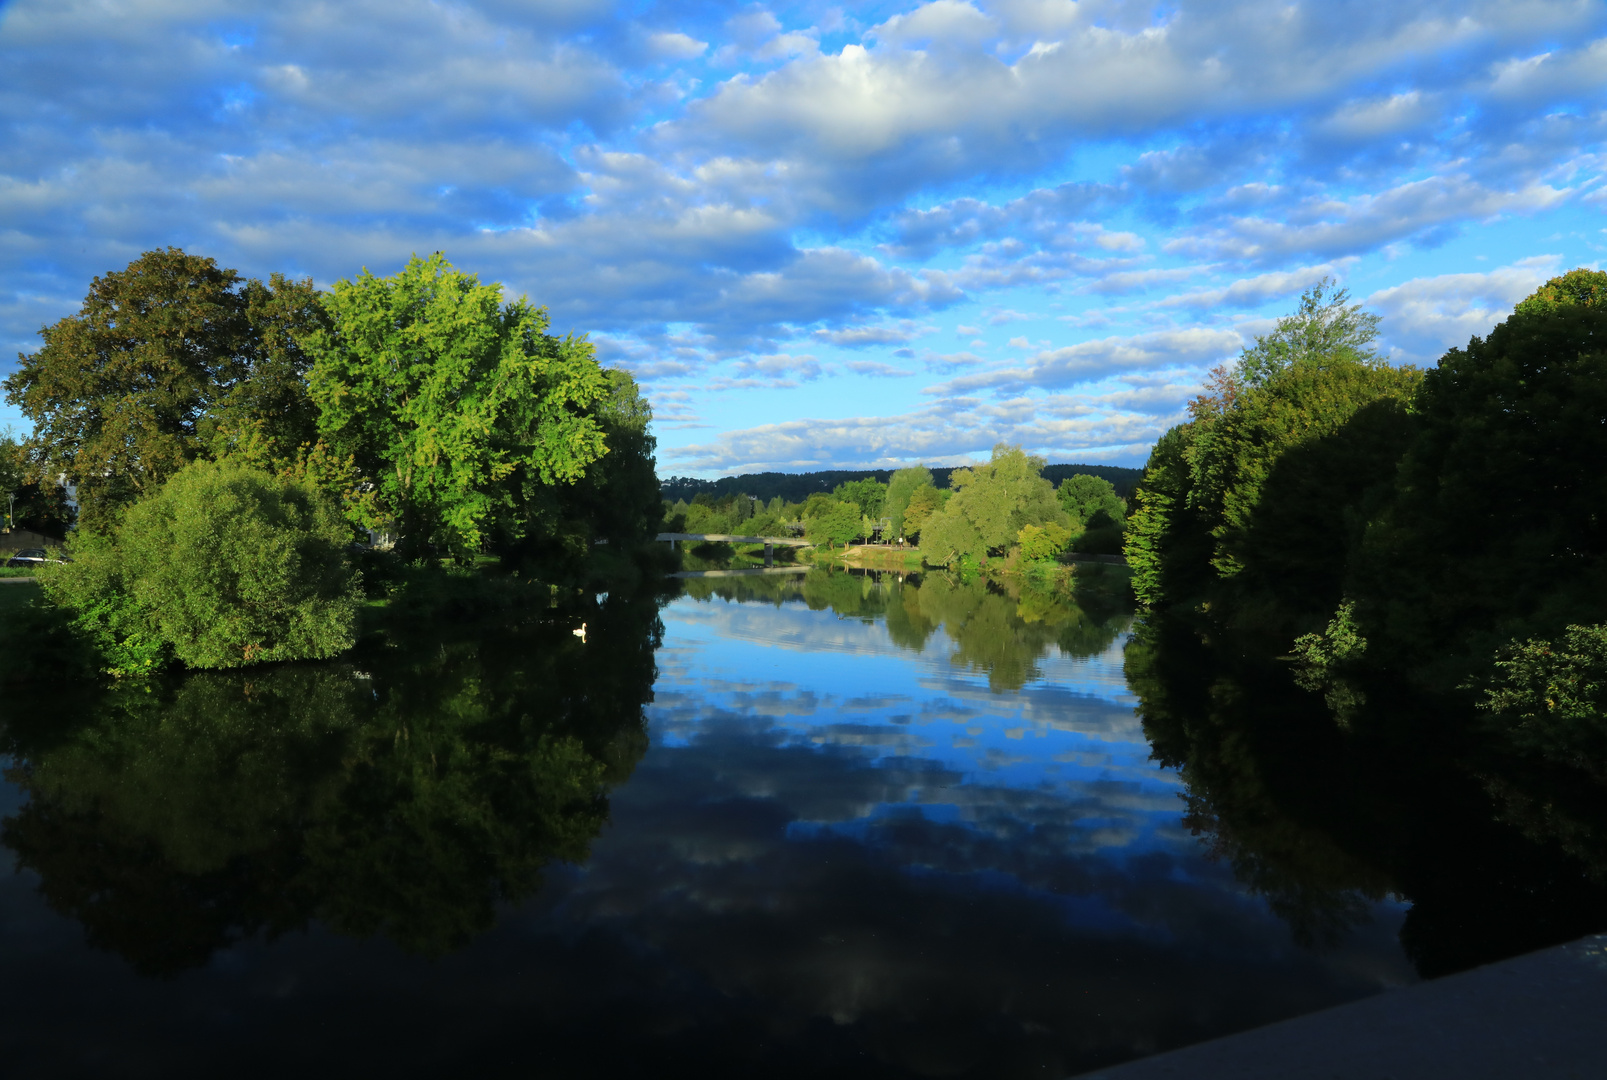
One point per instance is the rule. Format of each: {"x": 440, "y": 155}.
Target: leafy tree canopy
{"x": 165, "y": 360}
{"x": 1086, "y": 498}
{"x": 991, "y": 504}
{"x": 925, "y": 501}
{"x": 1324, "y": 329}
{"x": 225, "y": 566}
{"x": 34, "y": 502}
{"x": 831, "y": 521}
{"x": 1576, "y": 288}
{"x": 900, "y": 486}
{"x": 451, "y": 401}
{"x": 869, "y": 495}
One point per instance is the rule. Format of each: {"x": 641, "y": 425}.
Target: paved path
{"x": 18, "y": 581}
{"x": 1543, "y": 1015}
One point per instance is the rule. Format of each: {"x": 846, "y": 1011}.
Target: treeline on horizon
{"x": 232, "y": 441}
{"x": 797, "y": 487}
{"x": 1443, "y": 530}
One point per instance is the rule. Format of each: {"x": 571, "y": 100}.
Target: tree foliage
{"x": 1243, "y": 506}
{"x": 1043, "y": 543}
{"x": 900, "y": 487}
{"x": 1324, "y": 329}
{"x": 925, "y": 500}
{"x": 990, "y": 505}
{"x": 166, "y": 361}
{"x": 224, "y": 566}
{"x": 869, "y": 495}
{"x": 831, "y": 521}
{"x": 452, "y": 402}
{"x": 34, "y": 501}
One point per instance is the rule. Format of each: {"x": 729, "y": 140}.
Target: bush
{"x": 224, "y": 566}
{"x": 1043, "y": 543}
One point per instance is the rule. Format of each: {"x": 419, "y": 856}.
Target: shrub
{"x": 1043, "y": 543}
{"x": 224, "y": 566}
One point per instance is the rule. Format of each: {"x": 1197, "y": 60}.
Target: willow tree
{"x": 451, "y": 402}
{"x": 990, "y": 506}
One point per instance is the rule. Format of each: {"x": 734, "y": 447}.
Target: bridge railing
{"x": 725, "y": 538}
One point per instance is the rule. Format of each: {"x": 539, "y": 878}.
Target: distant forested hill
{"x": 796, "y": 487}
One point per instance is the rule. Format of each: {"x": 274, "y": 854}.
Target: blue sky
{"x": 822, "y": 235}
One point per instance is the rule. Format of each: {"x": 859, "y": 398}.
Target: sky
{"x": 828, "y": 236}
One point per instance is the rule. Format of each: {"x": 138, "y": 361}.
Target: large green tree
{"x": 831, "y": 521}
{"x": 451, "y": 401}
{"x": 1207, "y": 530}
{"x": 990, "y": 505}
{"x": 170, "y": 359}
{"x": 1496, "y": 529}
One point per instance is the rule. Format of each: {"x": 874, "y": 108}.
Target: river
{"x": 827, "y": 824}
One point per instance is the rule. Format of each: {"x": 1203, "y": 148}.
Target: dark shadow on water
{"x": 1400, "y": 795}
{"x": 405, "y": 792}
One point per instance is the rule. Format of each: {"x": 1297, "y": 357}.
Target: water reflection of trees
{"x": 407, "y": 793}
{"x": 1321, "y": 820}
{"x": 999, "y": 628}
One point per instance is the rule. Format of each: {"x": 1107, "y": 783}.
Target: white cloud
{"x": 1094, "y": 360}
{"x": 676, "y": 46}
{"x": 1425, "y": 316}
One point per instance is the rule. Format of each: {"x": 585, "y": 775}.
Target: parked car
{"x": 33, "y": 557}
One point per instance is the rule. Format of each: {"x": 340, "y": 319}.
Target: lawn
{"x": 13, "y": 597}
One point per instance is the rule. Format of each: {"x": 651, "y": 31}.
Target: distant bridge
{"x": 770, "y": 542}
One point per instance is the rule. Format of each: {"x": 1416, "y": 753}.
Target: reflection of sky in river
{"x": 1051, "y": 787}
{"x": 1070, "y": 735}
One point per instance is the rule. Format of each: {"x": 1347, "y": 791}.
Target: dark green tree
{"x": 1495, "y": 530}
{"x": 35, "y": 502}
{"x": 869, "y": 495}
{"x": 170, "y": 359}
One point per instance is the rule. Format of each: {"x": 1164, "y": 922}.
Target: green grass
{"x": 17, "y": 571}
{"x": 13, "y": 598}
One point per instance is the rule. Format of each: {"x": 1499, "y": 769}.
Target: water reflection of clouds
{"x": 1064, "y": 748}
{"x": 805, "y": 769}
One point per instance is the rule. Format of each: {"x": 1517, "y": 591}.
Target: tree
{"x": 831, "y": 521}
{"x": 869, "y": 495}
{"x": 162, "y": 358}
{"x": 1323, "y": 329}
{"x": 616, "y": 502}
{"x": 990, "y": 505}
{"x": 1495, "y": 529}
{"x": 1042, "y": 543}
{"x": 924, "y": 501}
{"x": 1576, "y": 288}
{"x": 33, "y": 502}
{"x": 224, "y": 566}
{"x": 900, "y": 487}
{"x": 452, "y": 402}
{"x": 1086, "y": 497}
{"x": 1275, "y": 418}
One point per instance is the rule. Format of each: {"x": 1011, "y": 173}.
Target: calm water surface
{"x": 772, "y": 827}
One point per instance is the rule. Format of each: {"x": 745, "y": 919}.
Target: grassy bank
{"x": 13, "y": 598}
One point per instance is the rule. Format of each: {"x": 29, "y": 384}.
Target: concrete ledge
{"x": 1540, "y": 1015}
